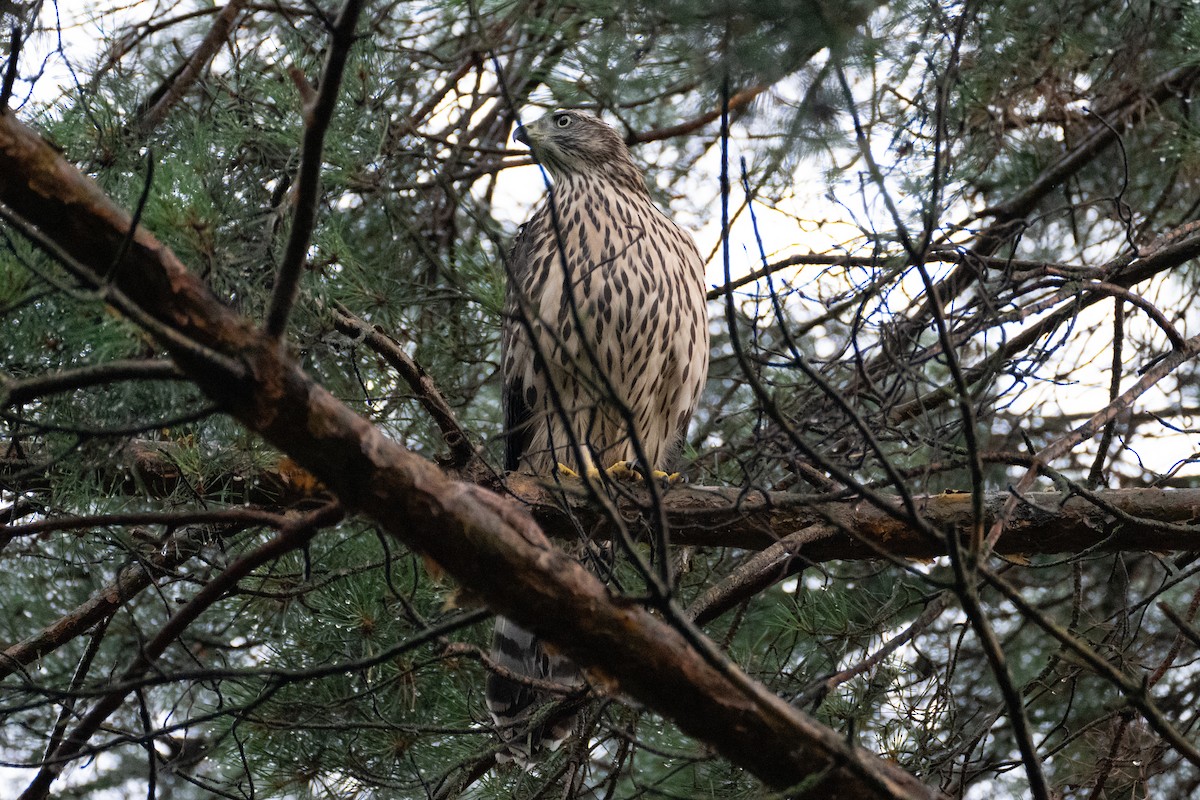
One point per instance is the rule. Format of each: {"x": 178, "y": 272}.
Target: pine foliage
{"x": 958, "y": 207}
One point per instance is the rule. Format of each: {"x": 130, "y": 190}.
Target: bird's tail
{"x": 513, "y": 704}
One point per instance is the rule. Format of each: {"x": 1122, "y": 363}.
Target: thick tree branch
{"x": 828, "y": 529}
{"x": 486, "y": 542}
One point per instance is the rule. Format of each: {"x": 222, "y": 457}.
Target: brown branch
{"x": 1177, "y": 645}
{"x": 939, "y": 256}
{"x": 16, "y": 392}
{"x": 829, "y": 529}
{"x": 241, "y": 517}
{"x": 428, "y": 394}
{"x": 755, "y": 574}
{"x": 848, "y": 529}
{"x": 1152, "y": 311}
{"x": 318, "y": 114}
{"x": 934, "y": 609}
{"x": 222, "y": 27}
{"x": 486, "y": 542}
{"x": 736, "y": 101}
{"x": 145, "y": 467}
{"x": 131, "y": 580}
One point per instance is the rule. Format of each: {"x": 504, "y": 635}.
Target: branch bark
{"x": 485, "y": 541}
{"x": 222, "y": 27}
{"x": 1137, "y": 520}
{"x": 1045, "y": 522}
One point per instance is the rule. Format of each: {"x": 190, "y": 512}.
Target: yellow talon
{"x": 566, "y": 472}
{"x": 624, "y": 470}
{"x": 620, "y": 471}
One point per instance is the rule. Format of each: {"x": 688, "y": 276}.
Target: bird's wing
{"x": 515, "y": 352}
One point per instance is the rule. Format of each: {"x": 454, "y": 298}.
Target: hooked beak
{"x": 519, "y": 135}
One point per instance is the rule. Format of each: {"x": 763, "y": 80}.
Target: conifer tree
{"x": 937, "y": 533}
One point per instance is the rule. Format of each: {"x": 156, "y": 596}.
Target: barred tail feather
{"x": 512, "y": 703}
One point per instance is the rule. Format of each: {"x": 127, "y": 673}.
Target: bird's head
{"x": 567, "y": 142}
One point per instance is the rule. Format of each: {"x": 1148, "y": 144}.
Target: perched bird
{"x": 605, "y": 344}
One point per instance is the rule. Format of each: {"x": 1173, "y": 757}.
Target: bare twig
{"x": 318, "y": 113}
{"x": 295, "y": 534}
{"x": 186, "y": 78}
{"x": 736, "y": 101}
{"x": 427, "y": 392}
{"x": 933, "y": 609}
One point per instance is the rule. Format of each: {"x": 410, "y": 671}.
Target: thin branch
{"x": 240, "y": 517}
{"x": 187, "y": 77}
{"x": 133, "y": 369}
{"x": 427, "y": 392}
{"x": 318, "y": 114}
{"x": 294, "y": 535}
{"x": 736, "y": 101}
{"x": 1170, "y": 250}
{"x": 755, "y": 574}
{"x": 933, "y": 609}
{"x": 1135, "y": 691}
{"x": 131, "y": 580}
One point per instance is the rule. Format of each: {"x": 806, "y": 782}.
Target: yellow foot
{"x": 566, "y": 472}
{"x": 628, "y": 471}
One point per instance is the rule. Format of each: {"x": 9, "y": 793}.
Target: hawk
{"x": 604, "y": 349}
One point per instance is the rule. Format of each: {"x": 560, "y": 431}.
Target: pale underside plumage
{"x": 605, "y": 346}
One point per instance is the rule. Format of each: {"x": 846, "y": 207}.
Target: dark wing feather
{"x": 517, "y": 412}
{"x": 517, "y": 431}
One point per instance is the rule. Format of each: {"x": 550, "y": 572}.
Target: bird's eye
{"x": 562, "y": 120}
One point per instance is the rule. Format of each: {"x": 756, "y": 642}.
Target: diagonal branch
{"x": 191, "y": 70}
{"x": 318, "y": 113}
{"x": 428, "y": 394}
{"x": 175, "y": 550}
{"x": 736, "y": 101}
{"x": 292, "y": 536}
